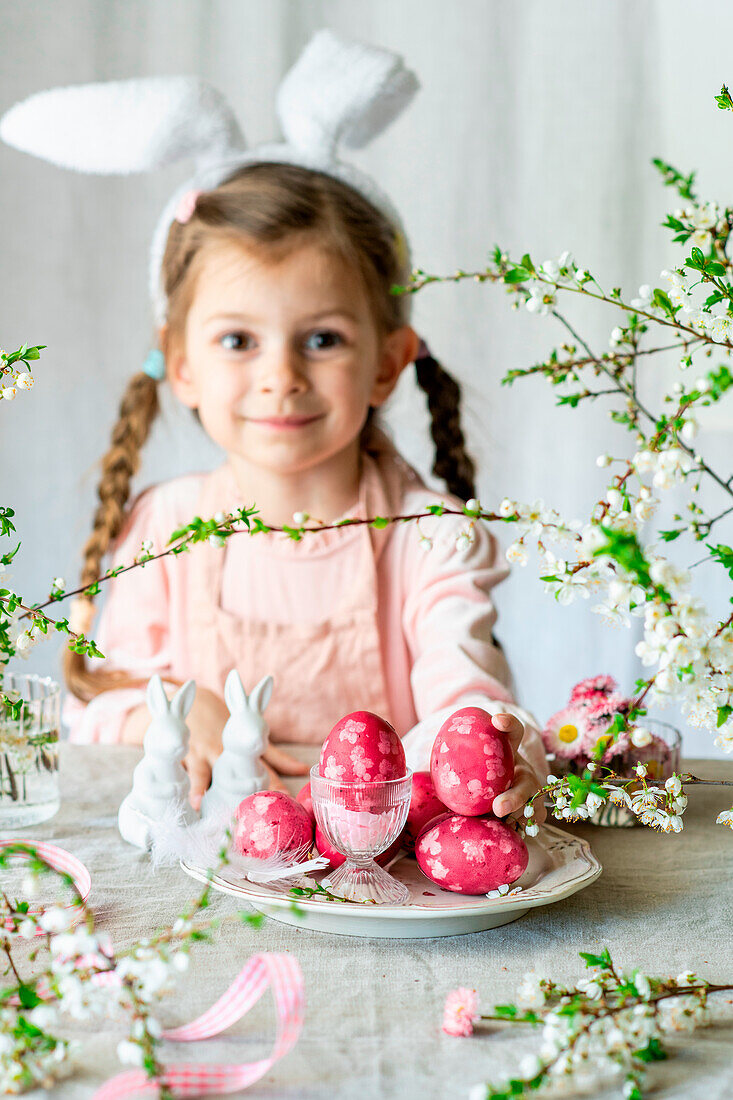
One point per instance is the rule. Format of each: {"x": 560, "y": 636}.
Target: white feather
{"x": 198, "y": 844}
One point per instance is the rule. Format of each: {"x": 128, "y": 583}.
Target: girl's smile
{"x": 283, "y": 361}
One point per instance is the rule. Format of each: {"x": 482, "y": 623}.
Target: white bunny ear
{"x": 260, "y": 695}
{"x": 234, "y": 693}
{"x": 156, "y": 696}
{"x": 342, "y": 92}
{"x": 182, "y": 701}
{"x": 122, "y": 126}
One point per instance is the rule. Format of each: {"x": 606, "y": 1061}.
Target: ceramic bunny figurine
{"x": 160, "y": 781}
{"x": 239, "y": 772}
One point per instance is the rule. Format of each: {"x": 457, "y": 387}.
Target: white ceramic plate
{"x": 559, "y": 865}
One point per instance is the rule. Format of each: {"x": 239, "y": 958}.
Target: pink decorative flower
{"x": 600, "y": 714}
{"x": 186, "y": 206}
{"x": 566, "y": 732}
{"x": 461, "y": 1011}
{"x": 592, "y": 686}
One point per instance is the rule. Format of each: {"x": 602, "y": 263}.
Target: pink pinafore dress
{"x": 321, "y": 669}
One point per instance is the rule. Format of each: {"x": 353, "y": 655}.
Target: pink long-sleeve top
{"x": 426, "y": 650}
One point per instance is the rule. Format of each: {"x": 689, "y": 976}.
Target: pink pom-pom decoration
{"x": 187, "y": 205}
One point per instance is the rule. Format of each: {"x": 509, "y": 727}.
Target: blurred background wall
{"x": 534, "y": 128}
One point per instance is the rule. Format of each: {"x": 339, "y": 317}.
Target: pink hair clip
{"x": 186, "y": 206}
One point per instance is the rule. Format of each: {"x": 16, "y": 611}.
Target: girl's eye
{"x": 229, "y": 340}
{"x": 324, "y": 340}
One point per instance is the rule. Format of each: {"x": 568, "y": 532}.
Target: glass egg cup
{"x": 360, "y": 819}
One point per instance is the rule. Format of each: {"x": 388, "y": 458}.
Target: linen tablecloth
{"x": 374, "y": 1007}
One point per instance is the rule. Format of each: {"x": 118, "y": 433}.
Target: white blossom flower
{"x": 644, "y": 299}
{"x": 55, "y": 919}
{"x": 530, "y": 993}
{"x": 531, "y": 829}
{"x": 604, "y": 460}
{"x": 640, "y": 737}
{"x": 465, "y": 537}
{"x": 130, "y": 1053}
{"x": 689, "y": 430}
{"x": 541, "y": 297}
{"x": 516, "y": 553}
{"x": 725, "y": 818}
{"x": 673, "y": 785}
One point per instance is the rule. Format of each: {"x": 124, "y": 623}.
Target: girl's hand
{"x": 526, "y": 781}
{"x": 282, "y": 763}
{"x": 206, "y": 721}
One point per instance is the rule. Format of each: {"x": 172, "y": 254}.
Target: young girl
{"x": 282, "y": 335}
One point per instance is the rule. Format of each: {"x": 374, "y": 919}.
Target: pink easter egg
{"x": 271, "y": 823}
{"x": 424, "y": 806}
{"x": 337, "y": 858}
{"x": 362, "y": 746}
{"x": 470, "y": 855}
{"x": 471, "y": 762}
{"x": 304, "y": 797}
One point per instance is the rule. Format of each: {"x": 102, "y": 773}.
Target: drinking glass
{"x": 360, "y": 820}
{"x": 29, "y": 750}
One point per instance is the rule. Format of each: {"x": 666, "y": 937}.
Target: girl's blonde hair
{"x": 276, "y": 208}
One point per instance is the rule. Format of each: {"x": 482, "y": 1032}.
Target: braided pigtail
{"x": 138, "y": 409}
{"x": 452, "y": 462}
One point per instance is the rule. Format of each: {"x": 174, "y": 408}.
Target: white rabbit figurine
{"x": 160, "y": 781}
{"x": 239, "y": 772}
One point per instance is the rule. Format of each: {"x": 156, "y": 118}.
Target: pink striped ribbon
{"x": 279, "y": 971}
{"x": 60, "y": 861}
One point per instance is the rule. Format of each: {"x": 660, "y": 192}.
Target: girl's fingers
{"x": 199, "y": 772}
{"x": 283, "y": 762}
{"x": 275, "y": 783}
{"x": 525, "y": 785}
{"x": 512, "y": 727}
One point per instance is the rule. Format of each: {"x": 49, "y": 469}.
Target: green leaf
{"x": 28, "y": 996}
{"x": 380, "y": 522}
{"x": 652, "y": 1052}
{"x": 724, "y": 714}
{"x": 670, "y": 536}
{"x": 517, "y": 275}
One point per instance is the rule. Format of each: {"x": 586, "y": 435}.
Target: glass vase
{"x": 29, "y": 749}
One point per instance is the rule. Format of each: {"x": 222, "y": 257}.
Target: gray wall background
{"x": 534, "y": 128}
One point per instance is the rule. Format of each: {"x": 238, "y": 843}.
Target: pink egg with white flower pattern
{"x": 325, "y": 848}
{"x": 362, "y": 746}
{"x": 471, "y": 762}
{"x": 470, "y": 855}
{"x": 424, "y": 806}
{"x": 271, "y": 823}
{"x": 306, "y": 800}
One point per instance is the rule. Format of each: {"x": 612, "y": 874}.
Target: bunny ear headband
{"x": 338, "y": 93}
